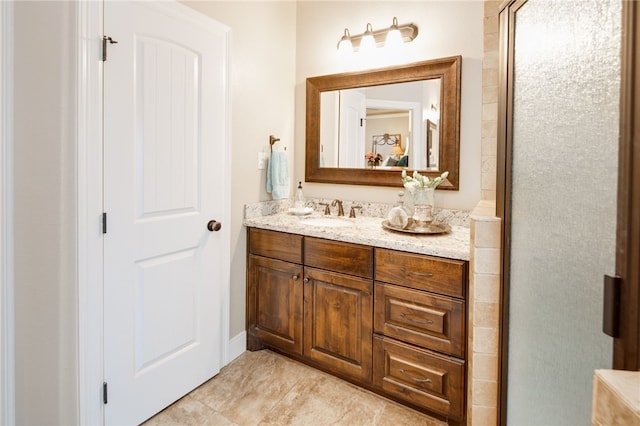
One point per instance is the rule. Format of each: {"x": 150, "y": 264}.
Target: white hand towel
{"x": 278, "y": 175}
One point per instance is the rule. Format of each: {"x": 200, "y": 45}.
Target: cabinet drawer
{"x": 420, "y": 377}
{"x": 277, "y": 245}
{"x": 424, "y": 319}
{"x": 445, "y": 276}
{"x": 347, "y": 258}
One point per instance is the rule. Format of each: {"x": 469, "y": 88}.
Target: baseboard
{"x": 237, "y": 345}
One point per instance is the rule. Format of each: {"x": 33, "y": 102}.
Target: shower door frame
{"x": 626, "y": 347}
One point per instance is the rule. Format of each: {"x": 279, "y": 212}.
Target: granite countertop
{"x": 367, "y": 229}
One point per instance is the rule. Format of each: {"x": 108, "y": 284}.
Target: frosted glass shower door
{"x": 563, "y": 205}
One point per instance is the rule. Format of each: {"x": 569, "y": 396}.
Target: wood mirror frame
{"x": 448, "y": 69}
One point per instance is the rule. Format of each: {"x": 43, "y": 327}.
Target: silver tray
{"x": 432, "y": 228}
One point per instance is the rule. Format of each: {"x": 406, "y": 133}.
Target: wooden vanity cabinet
{"x": 391, "y": 321}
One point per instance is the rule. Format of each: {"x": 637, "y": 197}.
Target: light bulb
{"x": 394, "y": 38}
{"x": 367, "y": 42}
{"x": 345, "y": 47}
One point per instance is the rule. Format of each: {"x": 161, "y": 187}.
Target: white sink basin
{"x": 329, "y": 222}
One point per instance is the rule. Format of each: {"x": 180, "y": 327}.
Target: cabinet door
{"x": 275, "y": 303}
{"x": 337, "y": 322}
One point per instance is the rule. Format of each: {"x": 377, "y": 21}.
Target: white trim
{"x": 226, "y": 190}
{"x": 89, "y": 192}
{"x": 7, "y": 324}
{"x": 237, "y": 346}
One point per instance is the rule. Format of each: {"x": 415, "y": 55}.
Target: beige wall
{"x": 44, "y": 214}
{"x": 262, "y": 77}
{"x": 446, "y": 28}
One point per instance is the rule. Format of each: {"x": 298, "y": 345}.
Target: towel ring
{"x": 272, "y": 140}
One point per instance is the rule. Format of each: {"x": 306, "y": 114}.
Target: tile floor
{"x": 265, "y": 388}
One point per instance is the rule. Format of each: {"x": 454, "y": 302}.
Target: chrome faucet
{"x": 340, "y": 208}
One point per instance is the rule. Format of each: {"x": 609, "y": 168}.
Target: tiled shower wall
{"x": 484, "y": 315}
{"x": 484, "y": 271}
{"x": 489, "y": 101}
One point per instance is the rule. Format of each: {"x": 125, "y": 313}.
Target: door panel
{"x": 167, "y": 86}
{"x": 161, "y": 332}
{"x": 164, "y": 126}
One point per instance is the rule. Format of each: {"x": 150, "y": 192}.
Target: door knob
{"x": 214, "y": 225}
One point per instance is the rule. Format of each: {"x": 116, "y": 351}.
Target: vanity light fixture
{"x": 395, "y": 35}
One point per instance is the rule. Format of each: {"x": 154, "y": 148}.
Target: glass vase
{"x": 423, "y": 206}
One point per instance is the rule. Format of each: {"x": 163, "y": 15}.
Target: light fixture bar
{"x": 408, "y": 32}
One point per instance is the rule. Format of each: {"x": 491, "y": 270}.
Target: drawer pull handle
{"x": 413, "y": 378}
{"x": 295, "y": 277}
{"x": 416, "y": 320}
{"x": 421, "y": 274}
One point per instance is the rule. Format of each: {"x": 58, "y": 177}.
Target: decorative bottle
{"x": 299, "y": 199}
{"x": 398, "y": 216}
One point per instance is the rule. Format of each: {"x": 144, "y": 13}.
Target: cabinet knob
{"x": 306, "y": 279}
{"x": 295, "y": 277}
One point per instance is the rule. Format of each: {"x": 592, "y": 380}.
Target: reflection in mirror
{"x": 433, "y": 136}
{"x": 354, "y": 123}
{"x": 364, "y": 127}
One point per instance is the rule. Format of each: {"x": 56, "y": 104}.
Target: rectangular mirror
{"x": 364, "y": 127}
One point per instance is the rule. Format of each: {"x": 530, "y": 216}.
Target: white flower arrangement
{"x": 418, "y": 181}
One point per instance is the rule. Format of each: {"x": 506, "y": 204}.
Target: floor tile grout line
{"x": 274, "y": 406}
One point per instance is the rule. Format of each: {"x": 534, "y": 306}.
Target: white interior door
{"x": 353, "y": 113}
{"x": 166, "y": 174}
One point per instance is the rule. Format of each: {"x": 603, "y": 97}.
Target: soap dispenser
{"x": 299, "y": 200}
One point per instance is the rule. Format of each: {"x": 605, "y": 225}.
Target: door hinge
{"x": 104, "y": 222}
{"x": 104, "y": 393}
{"x": 106, "y": 39}
{"x": 611, "y": 311}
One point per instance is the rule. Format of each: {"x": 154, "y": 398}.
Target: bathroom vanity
{"x": 383, "y": 310}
